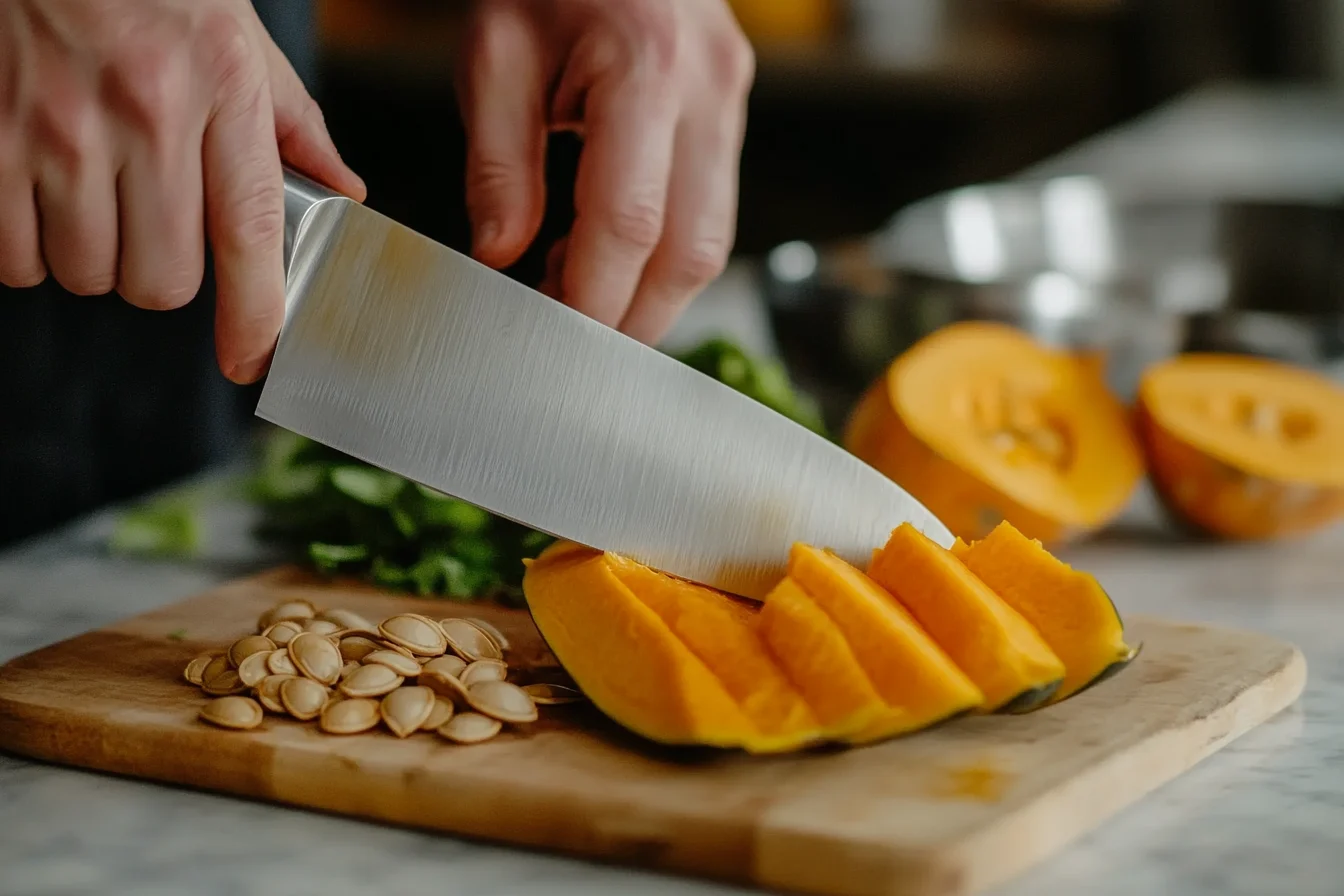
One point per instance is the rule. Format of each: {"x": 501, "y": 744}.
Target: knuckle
{"x": 227, "y": 51}
{"x": 732, "y": 60}
{"x": 491, "y": 177}
{"x": 701, "y": 263}
{"x": 653, "y": 26}
{"x": 66, "y": 128}
{"x": 149, "y": 86}
{"x": 638, "y": 224}
{"x": 258, "y": 217}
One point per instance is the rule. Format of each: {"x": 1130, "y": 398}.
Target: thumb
{"x": 301, "y": 131}
{"x": 502, "y": 94}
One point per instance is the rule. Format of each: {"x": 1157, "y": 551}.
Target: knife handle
{"x": 302, "y": 195}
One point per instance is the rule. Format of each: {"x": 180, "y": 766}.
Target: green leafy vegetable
{"x": 168, "y": 528}
{"x": 346, "y": 517}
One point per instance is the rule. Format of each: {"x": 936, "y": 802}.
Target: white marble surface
{"x": 1263, "y": 816}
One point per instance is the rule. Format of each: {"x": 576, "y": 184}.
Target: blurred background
{"x": 1134, "y": 177}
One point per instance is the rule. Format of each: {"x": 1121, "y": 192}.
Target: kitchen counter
{"x": 1265, "y": 815}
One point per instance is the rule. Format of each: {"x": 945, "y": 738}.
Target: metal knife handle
{"x": 301, "y": 197}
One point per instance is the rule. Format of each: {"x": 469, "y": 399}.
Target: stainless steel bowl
{"x": 1138, "y": 278}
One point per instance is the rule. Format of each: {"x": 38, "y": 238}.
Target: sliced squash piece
{"x": 1068, "y": 607}
{"x": 721, "y": 631}
{"x": 997, "y": 649}
{"x": 906, "y": 666}
{"x": 624, "y": 657}
{"x": 982, "y": 423}
{"x": 1242, "y": 447}
{"x": 814, "y": 653}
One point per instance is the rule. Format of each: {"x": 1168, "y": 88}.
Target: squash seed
{"x": 414, "y": 632}
{"x": 356, "y": 647}
{"x": 195, "y": 668}
{"x": 321, "y": 626}
{"x": 217, "y": 666}
{"x": 469, "y": 728}
{"x": 268, "y": 692}
{"x": 442, "y": 712}
{"x": 384, "y": 644}
{"x": 373, "y": 680}
{"x": 253, "y": 669}
{"x": 347, "y": 619}
{"x": 224, "y": 684}
{"x": 239, "y": 713}
{"x": 303, "y": 698}
{"x": 502, "y": 700}
{"x": 406, "y": 709}
{"x": 469, "y": 642}
{"x": 316, "y": 657}
{"x": 544, "y": 694}
{"x": 402, "y": 665}
{"x": 350, "y": 716}
{"x": 348, "y": 669}
{"x": 483, "y": 670}
{"x": 289, "y": 609}
{"x": 279, "y": 663}
{"x": 283, "y": 631}
{"x": 449, "y": 664}
{"x": 446, "y": 686}
{"x": 490, "y": 629}
{"x": 245, "y": 647}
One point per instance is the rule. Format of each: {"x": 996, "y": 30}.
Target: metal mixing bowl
{"x": 1137, "y": 278}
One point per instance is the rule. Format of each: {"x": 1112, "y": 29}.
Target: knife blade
{"x": 419, "y": 360}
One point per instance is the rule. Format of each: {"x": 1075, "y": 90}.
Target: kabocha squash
{"x": 624, "y": 657}
{"x": 1069, "y": 608}
{"x": 721, "y": 632}
{"x": 1242, "y": 447}
{"x": 816, "y": 656}
{"x": 997, "y": 649}
{"x": 981, "y": 424}
{"x": 907, "y": 668}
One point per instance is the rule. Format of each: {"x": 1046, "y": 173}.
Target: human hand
{"x": 659, "y": 89}
{"x": 130, "y": 130}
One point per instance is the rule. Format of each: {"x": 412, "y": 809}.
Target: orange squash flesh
{"x": 722, "y": 632}
{"x": 997, "y": 649}
{"x": 1242, "y": 447}
{"x": 821, "y": 664}
{"x": 907, "y": 668}
{"x": 624, "y": 657}
{"x": 983, "y": 424}
{"x": 1070, "y": 610}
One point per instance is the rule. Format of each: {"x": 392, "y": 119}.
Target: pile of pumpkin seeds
{"x": 408, "y": 672}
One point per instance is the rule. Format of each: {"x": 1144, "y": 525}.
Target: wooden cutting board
{"x": 949, "y": 810}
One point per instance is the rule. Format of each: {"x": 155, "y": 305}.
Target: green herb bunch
{"x": 344, "y": 516}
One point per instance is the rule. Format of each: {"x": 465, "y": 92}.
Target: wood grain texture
{"x": 949, "y": 810}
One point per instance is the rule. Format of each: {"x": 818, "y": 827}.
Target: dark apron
{"x": 100, "y": 401}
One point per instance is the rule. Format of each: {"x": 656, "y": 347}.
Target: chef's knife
{"x": 417, "y": 359}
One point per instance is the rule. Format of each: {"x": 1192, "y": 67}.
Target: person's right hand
{"x": 130, "y": 130}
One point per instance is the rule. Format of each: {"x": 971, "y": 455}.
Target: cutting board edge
{"x": 1246, "y": 711}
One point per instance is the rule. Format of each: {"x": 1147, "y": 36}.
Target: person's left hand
{"x": 658, "y": 88}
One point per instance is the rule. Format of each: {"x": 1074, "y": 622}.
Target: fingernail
{"x": 246, "y": 372}
{"x": 487, "y": 234}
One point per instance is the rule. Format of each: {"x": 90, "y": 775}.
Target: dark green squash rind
{"x": 1030, "y": 699}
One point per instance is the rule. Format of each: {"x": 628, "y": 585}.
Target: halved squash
{"x": 814, "y": 653}
{"x": 1243, "y": 447}
{"x": 997, "y": 649}
{"x": 981, "y": 423}
{"x": 1069, "y": 608}
{"x": 624, "y": 657}
{"x": 906, "y": 666}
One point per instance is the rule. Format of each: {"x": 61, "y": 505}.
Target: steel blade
{"x": 417, "y": 359}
